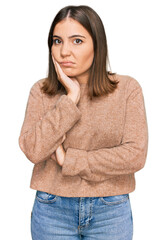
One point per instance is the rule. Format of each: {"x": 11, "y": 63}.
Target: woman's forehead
{"x": 70, "y": 27}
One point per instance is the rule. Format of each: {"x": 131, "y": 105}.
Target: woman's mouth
{"x": 66, "y": 64}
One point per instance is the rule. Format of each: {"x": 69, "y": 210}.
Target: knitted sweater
{"x": 106, "y": 140}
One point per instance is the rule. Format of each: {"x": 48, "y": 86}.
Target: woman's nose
{"x": 65, "y": 49}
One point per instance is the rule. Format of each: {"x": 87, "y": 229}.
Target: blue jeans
{"x": 55, "y": 217}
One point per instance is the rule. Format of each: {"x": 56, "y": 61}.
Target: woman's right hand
{"x": 71, "y": 85}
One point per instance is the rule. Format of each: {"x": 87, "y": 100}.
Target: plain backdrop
{"x": 136, "y": 36}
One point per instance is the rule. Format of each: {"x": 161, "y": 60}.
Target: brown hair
{"x": 99, "y": 83}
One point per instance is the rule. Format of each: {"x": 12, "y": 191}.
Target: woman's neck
{"x": 83, "y": 78}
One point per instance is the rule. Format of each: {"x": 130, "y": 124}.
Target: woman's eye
{"x": 78, "y": 41}
{"x": 56, "y": 41}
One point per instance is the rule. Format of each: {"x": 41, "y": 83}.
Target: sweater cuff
{"x": 75, "y": 162}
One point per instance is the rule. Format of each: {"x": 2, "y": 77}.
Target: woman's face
{"x": 72, "y": 43}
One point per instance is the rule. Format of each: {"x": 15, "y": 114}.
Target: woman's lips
{"x": 66, "y": 64}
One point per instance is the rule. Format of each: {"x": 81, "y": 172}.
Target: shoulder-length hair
{"x": 100, "y": 81}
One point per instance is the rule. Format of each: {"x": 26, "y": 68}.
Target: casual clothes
{"x": 106, "y": 140}
{"x": 62, "y": 218}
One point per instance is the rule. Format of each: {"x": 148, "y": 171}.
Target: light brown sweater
{"x": 106, "y": 140}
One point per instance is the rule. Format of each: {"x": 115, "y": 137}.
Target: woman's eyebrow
{"x": 76, "y": 35}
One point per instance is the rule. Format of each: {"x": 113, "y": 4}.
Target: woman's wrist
{"x": 72, "y": 97}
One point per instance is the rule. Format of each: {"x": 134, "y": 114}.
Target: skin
{"x": 80, "y": 51}
{"x": 76, "y": 49}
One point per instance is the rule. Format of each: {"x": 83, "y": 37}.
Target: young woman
{"x": 85, "y": 130}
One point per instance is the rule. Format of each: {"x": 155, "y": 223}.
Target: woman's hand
{"x": 59, "y": 155}
{"x": 71, "y": 85}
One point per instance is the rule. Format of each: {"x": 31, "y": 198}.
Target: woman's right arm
{"x": 41, "y": 134}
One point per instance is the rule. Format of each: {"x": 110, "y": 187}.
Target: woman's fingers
{"x": 56, "y": 67}
{"x": 59, "y": 71}
{"x": 62, "y": 76}
{"x": 64, "y": 137}
{"x": 60, "y": 154}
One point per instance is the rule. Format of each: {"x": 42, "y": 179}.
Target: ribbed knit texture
{"x": 106, "y": 140}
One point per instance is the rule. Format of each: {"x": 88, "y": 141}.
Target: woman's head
{"x": 72, "y": 42}
{"x": 89, "y": 57}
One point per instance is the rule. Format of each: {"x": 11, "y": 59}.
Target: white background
{"x": 136, "y": 34}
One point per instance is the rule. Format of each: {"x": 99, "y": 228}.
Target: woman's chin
{"x": 70, "y": 74}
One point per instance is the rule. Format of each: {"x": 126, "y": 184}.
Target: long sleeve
{"x": 126, "y": 158}
{"x": 42, "y": 133}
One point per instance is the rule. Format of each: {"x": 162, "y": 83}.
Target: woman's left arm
{"x": 127, "y": 158}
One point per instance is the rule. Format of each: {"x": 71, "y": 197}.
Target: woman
{"x": 85, "y": 129}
